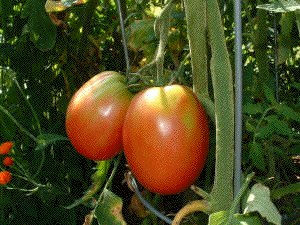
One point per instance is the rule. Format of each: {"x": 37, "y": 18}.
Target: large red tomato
{"x": 166, "y": 138}
{"x": 95, "y": 116}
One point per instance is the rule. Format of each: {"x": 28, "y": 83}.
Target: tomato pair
{"x": 163, "y": 130}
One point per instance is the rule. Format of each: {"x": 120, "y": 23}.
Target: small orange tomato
{"x": 5, "y": 147}
{"x": 8, "y": 161}
{"x": 5, "y": 177}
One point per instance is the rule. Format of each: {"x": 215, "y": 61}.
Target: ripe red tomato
{"x": 166, "y": 138}
{"x": 95, "y": 116}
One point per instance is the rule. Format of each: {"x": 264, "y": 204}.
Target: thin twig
{"x": 18, "y": 124}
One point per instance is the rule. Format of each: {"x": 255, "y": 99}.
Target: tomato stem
{"x": 162, "y": 26}
{"x": 239, "y": 196}
{"x": 124, "y": 39}
{"x": 111, "y": 177}
{"x": 194, "y": 206}
{"x": 22, "y": 129}
{"x": 27, "y": 101}
{"x": 197, "y": 32}
{"x": 222, "y": 80}
{"x": 201, "y": 192}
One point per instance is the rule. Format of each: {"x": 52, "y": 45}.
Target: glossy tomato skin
{"x": 95, "y": 116}
{"x": 166, "y": 138}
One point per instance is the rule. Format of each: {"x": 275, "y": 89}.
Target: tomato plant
{"x": 166, "y": 138}
{"x": 95, "y": 116}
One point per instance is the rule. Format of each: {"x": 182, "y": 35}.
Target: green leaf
{"x": 295, "y": 85}
{"x": 274, "y": 125}
{"x": 256, "y": 154}
{"x": 287, "y": 112}
{"x": 287, "y": 190}
{"x": 249, "y": 126}
{"x": 109, "y": 210}
{"x": 250, "y": 108}
{"x": 140, "y": 35}
{"x": 221, "y": 218}
{"x": 47, "y": 139}
{"x": 259, "y": 201}
{"x": 282, "y": 127}
{"x": 269, "y": 94}
{"x": 295, "y": 149}
{"x": 102, "y": 169}
{"x": 139, "y": 1}
{"x": 42, "y": 31}
{"x": 265, "y": 131}
{"x": 99, "y": 178}
{"x": 280, "y": 6}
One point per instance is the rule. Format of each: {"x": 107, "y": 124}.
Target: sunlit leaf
{"x": 56, "y": 6}
{"x": 100, "y": 175}
{"x": 109, "y": 210}
{"x": 259, "y": 201}
{"x": 281, "y": 6}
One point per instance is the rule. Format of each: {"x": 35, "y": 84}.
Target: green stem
{"x": 196, "y": 26}
{"x": 179, "y": 72}
{"x": 162, "y": 25}
{"x": 27, "y": 176}
{"x": 22, "y": 129}
{"x": 110, "y": 179}
{"x": 40, "y": 166}
{"x": 107, "y": 185}
{"x": 238, "y": 197}
{"x": 206, "y": 196}
{"x": 30, "y": 106}
{"x": 222, "y": 191}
